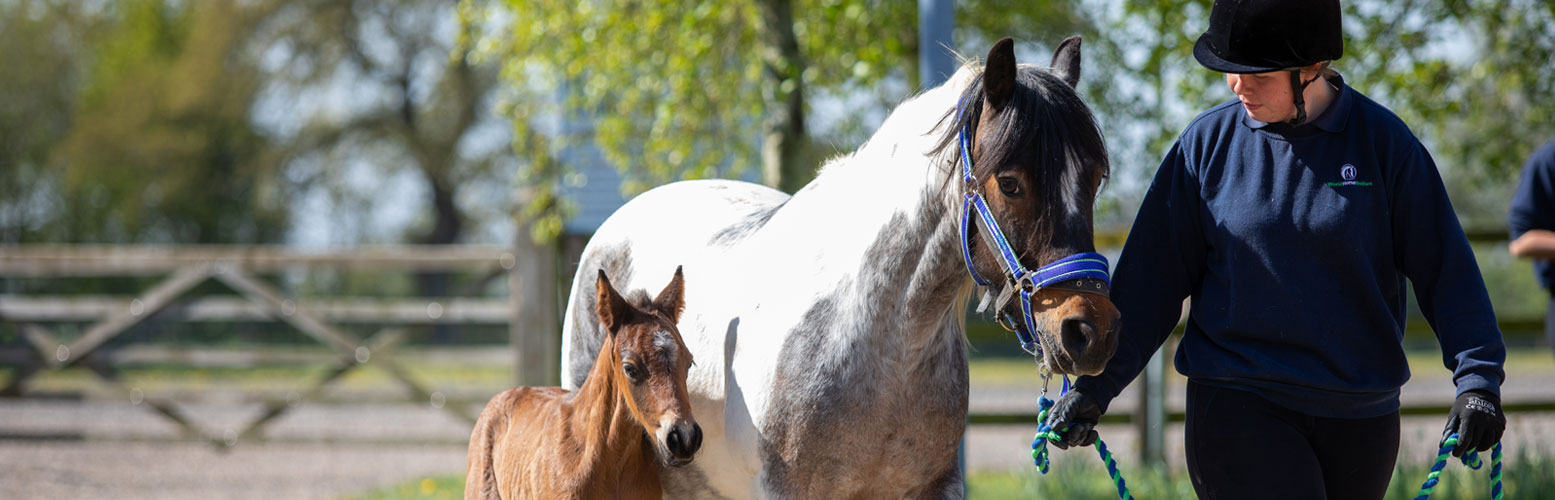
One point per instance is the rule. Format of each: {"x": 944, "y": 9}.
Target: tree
{"x": 47, "y": 44}
{"x": 160, "y": 146}
{"x": 695, "y": 89}
{"x": 1471, "y": 78}
{"x": 412, "y": 108}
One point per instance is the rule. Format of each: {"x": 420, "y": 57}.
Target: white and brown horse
{"x": 609, "y": 438}
{"x": 829, "y": 324}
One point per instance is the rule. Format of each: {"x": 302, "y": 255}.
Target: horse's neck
{"x": 611, "y": 437}
{"x": 891, "y": 220}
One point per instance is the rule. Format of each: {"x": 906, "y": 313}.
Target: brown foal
{"x": 608, "y": 438}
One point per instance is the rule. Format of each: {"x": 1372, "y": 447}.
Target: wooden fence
{"x": 530, "y": 307}
{"x": 184, "y": 268}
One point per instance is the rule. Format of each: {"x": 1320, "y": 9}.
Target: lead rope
{"x": 1470, "y": 459}
{"x": 1045, "y": 433}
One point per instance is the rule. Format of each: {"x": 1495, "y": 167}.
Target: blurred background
{"x": 287, "y": 249}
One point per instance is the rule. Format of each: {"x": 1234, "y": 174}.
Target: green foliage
{"x": 1471, "y": 79}
{"x": 161, "y": 147}
{"x": 679, "y": 90}
{"x": 47, "y": 39}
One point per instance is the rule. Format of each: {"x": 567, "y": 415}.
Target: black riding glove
{"x": 1074, "y": 416}
{"x": 1476, "y": 417}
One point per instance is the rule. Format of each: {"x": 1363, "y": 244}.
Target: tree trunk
{"x": 782, "y": 150}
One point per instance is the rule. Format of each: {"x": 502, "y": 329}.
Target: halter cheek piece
{"x": 1084, "y": 272}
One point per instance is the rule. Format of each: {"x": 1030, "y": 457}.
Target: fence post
{"x": 535, "y": 332}
{"x": 1150, "y": 417}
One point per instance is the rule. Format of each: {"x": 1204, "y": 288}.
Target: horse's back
{"x": 688, "y": 223}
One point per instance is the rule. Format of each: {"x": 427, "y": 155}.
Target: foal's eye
{"x": 1009, "y": 186}
{"x": 632, "y": 373}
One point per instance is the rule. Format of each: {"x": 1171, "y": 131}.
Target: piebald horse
{"x": 829, "y": 324}
{"x": 608, "y": 438}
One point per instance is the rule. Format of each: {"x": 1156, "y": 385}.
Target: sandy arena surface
{"x": 106, "y": 448}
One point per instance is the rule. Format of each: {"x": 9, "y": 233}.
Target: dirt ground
{"x": 113, "y": 448}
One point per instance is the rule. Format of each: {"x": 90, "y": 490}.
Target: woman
{"x": 1292, "y": 216}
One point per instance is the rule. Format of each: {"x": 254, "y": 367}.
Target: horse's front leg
{"x": 950, "y": 485}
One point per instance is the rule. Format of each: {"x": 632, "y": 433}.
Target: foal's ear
{"x": 608, "y": 304}
{"x": 671, "y": 301}
{"x": 999, "y": 73}
{"x": 1066, "y": 60}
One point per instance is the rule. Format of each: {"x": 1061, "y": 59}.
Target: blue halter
{"x": 1085, "y": 271}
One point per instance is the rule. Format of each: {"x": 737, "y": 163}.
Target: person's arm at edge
{"x": 1531, "y": 216}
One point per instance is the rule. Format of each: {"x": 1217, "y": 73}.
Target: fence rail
{"x": 241, "y": 269}
{"x": 52, "y": 261}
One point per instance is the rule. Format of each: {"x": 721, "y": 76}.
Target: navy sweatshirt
{"x": 1533, "y": 206}
{"x": 1294, "y": 244}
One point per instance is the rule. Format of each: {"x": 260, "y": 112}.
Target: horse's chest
{"x": 838, "y": 427}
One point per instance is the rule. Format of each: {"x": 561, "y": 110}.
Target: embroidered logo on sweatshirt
{"x": 1348, "y": 174}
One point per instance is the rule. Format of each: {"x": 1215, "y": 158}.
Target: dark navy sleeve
{"x": 1162, "y": 262}
{"x": 1533, "y": 205}
{"x": 1432, "y": 251}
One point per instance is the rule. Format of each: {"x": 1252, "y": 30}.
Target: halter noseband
{"x": 1084, "y": 272}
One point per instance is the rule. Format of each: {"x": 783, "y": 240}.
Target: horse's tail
{"x": 481, "y": 480}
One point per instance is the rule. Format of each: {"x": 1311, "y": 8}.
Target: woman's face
{"x": 1265, "y": 96}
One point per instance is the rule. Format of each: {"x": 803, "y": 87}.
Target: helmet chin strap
{"x": 1298, "y": 90}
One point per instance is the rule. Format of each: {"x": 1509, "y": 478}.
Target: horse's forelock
{"x": 1045, "y": 114}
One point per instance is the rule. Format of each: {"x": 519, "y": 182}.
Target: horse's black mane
{"x": 1044, "y": 113}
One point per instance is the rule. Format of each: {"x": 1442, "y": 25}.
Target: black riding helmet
{"x": 1259, "y": 36}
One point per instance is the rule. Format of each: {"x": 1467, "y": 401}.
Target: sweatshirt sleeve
{"x": 1161, "y": 264}
{"x": 1533, "y": 205}
{"x": 1433, "y": 252}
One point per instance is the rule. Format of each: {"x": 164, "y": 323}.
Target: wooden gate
{"x": 239, "y": 268}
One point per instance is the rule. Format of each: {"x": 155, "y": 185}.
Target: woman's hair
{"x": 1325, "y": 70}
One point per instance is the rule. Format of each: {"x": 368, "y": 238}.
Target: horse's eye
{"x": 632, "y": 373}
{"x": 1009, "y": 186}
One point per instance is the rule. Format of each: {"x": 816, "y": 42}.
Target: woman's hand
{"x": 1074, "y": 416}
{"x": 1476, "y": 417}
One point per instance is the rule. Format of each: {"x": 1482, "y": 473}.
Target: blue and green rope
{"x": 1470, "y": 459}
{"x": 1045, "y": 433}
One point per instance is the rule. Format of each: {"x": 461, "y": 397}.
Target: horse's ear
{"x": 608, "y": 304}
{"x": 1066, "y": 60}
{"x": 999, "y": 73}
{"x": 672, "y": 300}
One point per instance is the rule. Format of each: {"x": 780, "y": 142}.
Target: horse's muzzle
{"x": 683, "y": 442}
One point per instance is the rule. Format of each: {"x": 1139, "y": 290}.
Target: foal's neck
{"x": 611, "y": 436}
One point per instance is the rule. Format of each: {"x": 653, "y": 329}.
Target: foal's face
{"x": 652, "y": 362}
{"x": 1040, "y": 170}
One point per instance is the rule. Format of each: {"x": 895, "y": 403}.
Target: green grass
{"x": 423, "y": 488}
{"x": 1526, "y": 477}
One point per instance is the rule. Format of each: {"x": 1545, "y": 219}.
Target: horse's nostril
{"x": 696, "y": 437}
{"x": 674, "y": 441}
{"x": 1076, "y": 334}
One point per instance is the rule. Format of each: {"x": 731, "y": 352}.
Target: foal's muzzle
{"x": 683, "y": 442}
